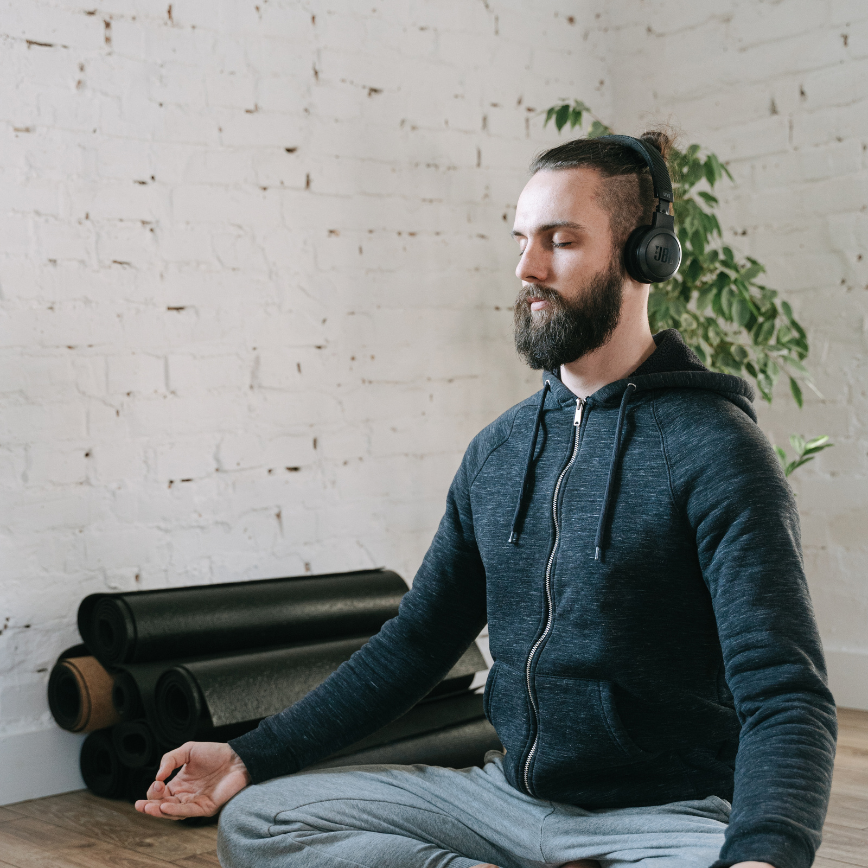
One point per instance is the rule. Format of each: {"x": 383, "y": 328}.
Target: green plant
{"x": 735, "y": 324}
{"x": 805, "y": 450}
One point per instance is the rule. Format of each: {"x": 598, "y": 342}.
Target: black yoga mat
{"x": 136, "y": 744}
{"x": 135, "y": 684}
{"x": 138, "y": 782}
{"x": 80, "y": 692}
{"x": 133, "y": 691}
{"x": 197, "y": 621}
{"x": 426, "y": 717}
{"x": 101, "y": 768}
{"x": 454, "y": 747}
{"x": 196, "y": 696}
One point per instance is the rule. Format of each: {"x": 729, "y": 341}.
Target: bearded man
{"x": 658, "y": 681}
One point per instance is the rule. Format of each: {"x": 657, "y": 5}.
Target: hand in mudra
{"x": 210, "y": 775}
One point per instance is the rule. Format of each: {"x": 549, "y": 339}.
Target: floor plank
{"x": 848, "y": 811}
{"x": 119, "y": 824}
{"x": 850, "y": 782}
{"x": 823, "y": 862}
{"x": 7, "y": 814}
{"x": 49, "y": 837}
{"x": 20, "y": 851}
{"x": 845, "y": 845}
{"x": 200, "y": 860}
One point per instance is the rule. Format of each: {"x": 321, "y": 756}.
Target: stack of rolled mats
{"x": 207, "y": 663}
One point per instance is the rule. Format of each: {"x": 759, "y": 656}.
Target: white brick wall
{"x": 779, "y": 90}
{"x": 255, "y": 280}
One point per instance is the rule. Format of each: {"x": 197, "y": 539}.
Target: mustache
{"x": 526, "y": 293}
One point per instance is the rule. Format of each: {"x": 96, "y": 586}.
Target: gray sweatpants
{"x": 431, "y": 817}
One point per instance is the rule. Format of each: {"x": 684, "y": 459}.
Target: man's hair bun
{"x": 662, "y": 138}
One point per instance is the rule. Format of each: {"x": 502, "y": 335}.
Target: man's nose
{"x": 533, "y": 265}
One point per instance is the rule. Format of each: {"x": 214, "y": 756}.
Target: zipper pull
{"x": 580, "y": 406}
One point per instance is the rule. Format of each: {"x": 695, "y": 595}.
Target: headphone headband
{"x": 653, "y": 159}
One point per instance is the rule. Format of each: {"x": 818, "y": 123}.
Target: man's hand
{"x": 211, "y": 775}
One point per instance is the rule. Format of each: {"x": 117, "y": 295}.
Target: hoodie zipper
{"x": 577, "y": 421}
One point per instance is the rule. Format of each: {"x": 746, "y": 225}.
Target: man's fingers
{"x": 174, "y": 759}
{"x": 152, "y": 807}
{"x": 156, "y": 790}
{"x": 179, "y": 810}
{"x": 171, "y": 810}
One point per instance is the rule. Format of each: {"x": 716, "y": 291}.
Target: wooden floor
{"x": 78, "y": 830}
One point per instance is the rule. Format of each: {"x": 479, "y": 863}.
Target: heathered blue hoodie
{"x": 637, "y": 559}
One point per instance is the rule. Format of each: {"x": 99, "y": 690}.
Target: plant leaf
{"x": 752, "y": 271}
{"x": 597, "y": 129}
{"x": 819, "y": 441}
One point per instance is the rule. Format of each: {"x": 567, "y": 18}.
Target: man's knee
{"x": 242, "y": 830}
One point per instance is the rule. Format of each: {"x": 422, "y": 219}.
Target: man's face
{"x": 572, "y": 280}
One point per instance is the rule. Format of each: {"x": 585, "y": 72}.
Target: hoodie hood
{"x": 673, "y": 365}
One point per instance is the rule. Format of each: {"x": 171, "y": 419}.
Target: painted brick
{"x": 139, "y": 372}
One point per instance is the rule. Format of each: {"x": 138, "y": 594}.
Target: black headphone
{"x": 652, "y": 253}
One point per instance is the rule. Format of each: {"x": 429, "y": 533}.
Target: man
{"x": 631, "y": 541}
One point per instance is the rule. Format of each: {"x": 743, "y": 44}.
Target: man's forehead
{"x": 558, "y": 198}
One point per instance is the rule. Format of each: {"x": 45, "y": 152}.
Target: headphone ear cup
{"x": 631, "y": 254}
{"x": 652, "y": 254}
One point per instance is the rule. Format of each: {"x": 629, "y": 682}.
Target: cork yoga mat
{"x": 179, "y": 623}
{"x": 80, "y": 693}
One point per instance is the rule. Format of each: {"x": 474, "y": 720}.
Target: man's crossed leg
{"x": 430, "y": 817}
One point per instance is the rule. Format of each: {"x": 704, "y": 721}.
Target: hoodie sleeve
{"x": 739, "y": 505}
{"x": 437, "y": 620}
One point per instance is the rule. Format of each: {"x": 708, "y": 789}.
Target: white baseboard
{"x": 36, "y": 764}
{"x": 848, "y": 678}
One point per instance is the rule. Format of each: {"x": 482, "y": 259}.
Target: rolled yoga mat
{"x": 136, "y": 683}
{"x": 138, "y": 782}
{"x": 194, "y": 697}
{"x": 134, "y": 686}
{"x": 454, "y": 747}
{"x": 102, "y": 770}
{"x": 136, "y": 744}
{"x": 426, "y": 717}
{"x": 133, "y": 698}
{"x": 80, "y": 693}
{"x": 198, "y": 621}
{"x": 197, "y": 696}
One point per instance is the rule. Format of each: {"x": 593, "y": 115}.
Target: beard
{"x": 568, "y": 330}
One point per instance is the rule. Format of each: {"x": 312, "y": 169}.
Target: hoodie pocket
{"x": 507, "y": 707}
{"x": 579, "y": 729}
